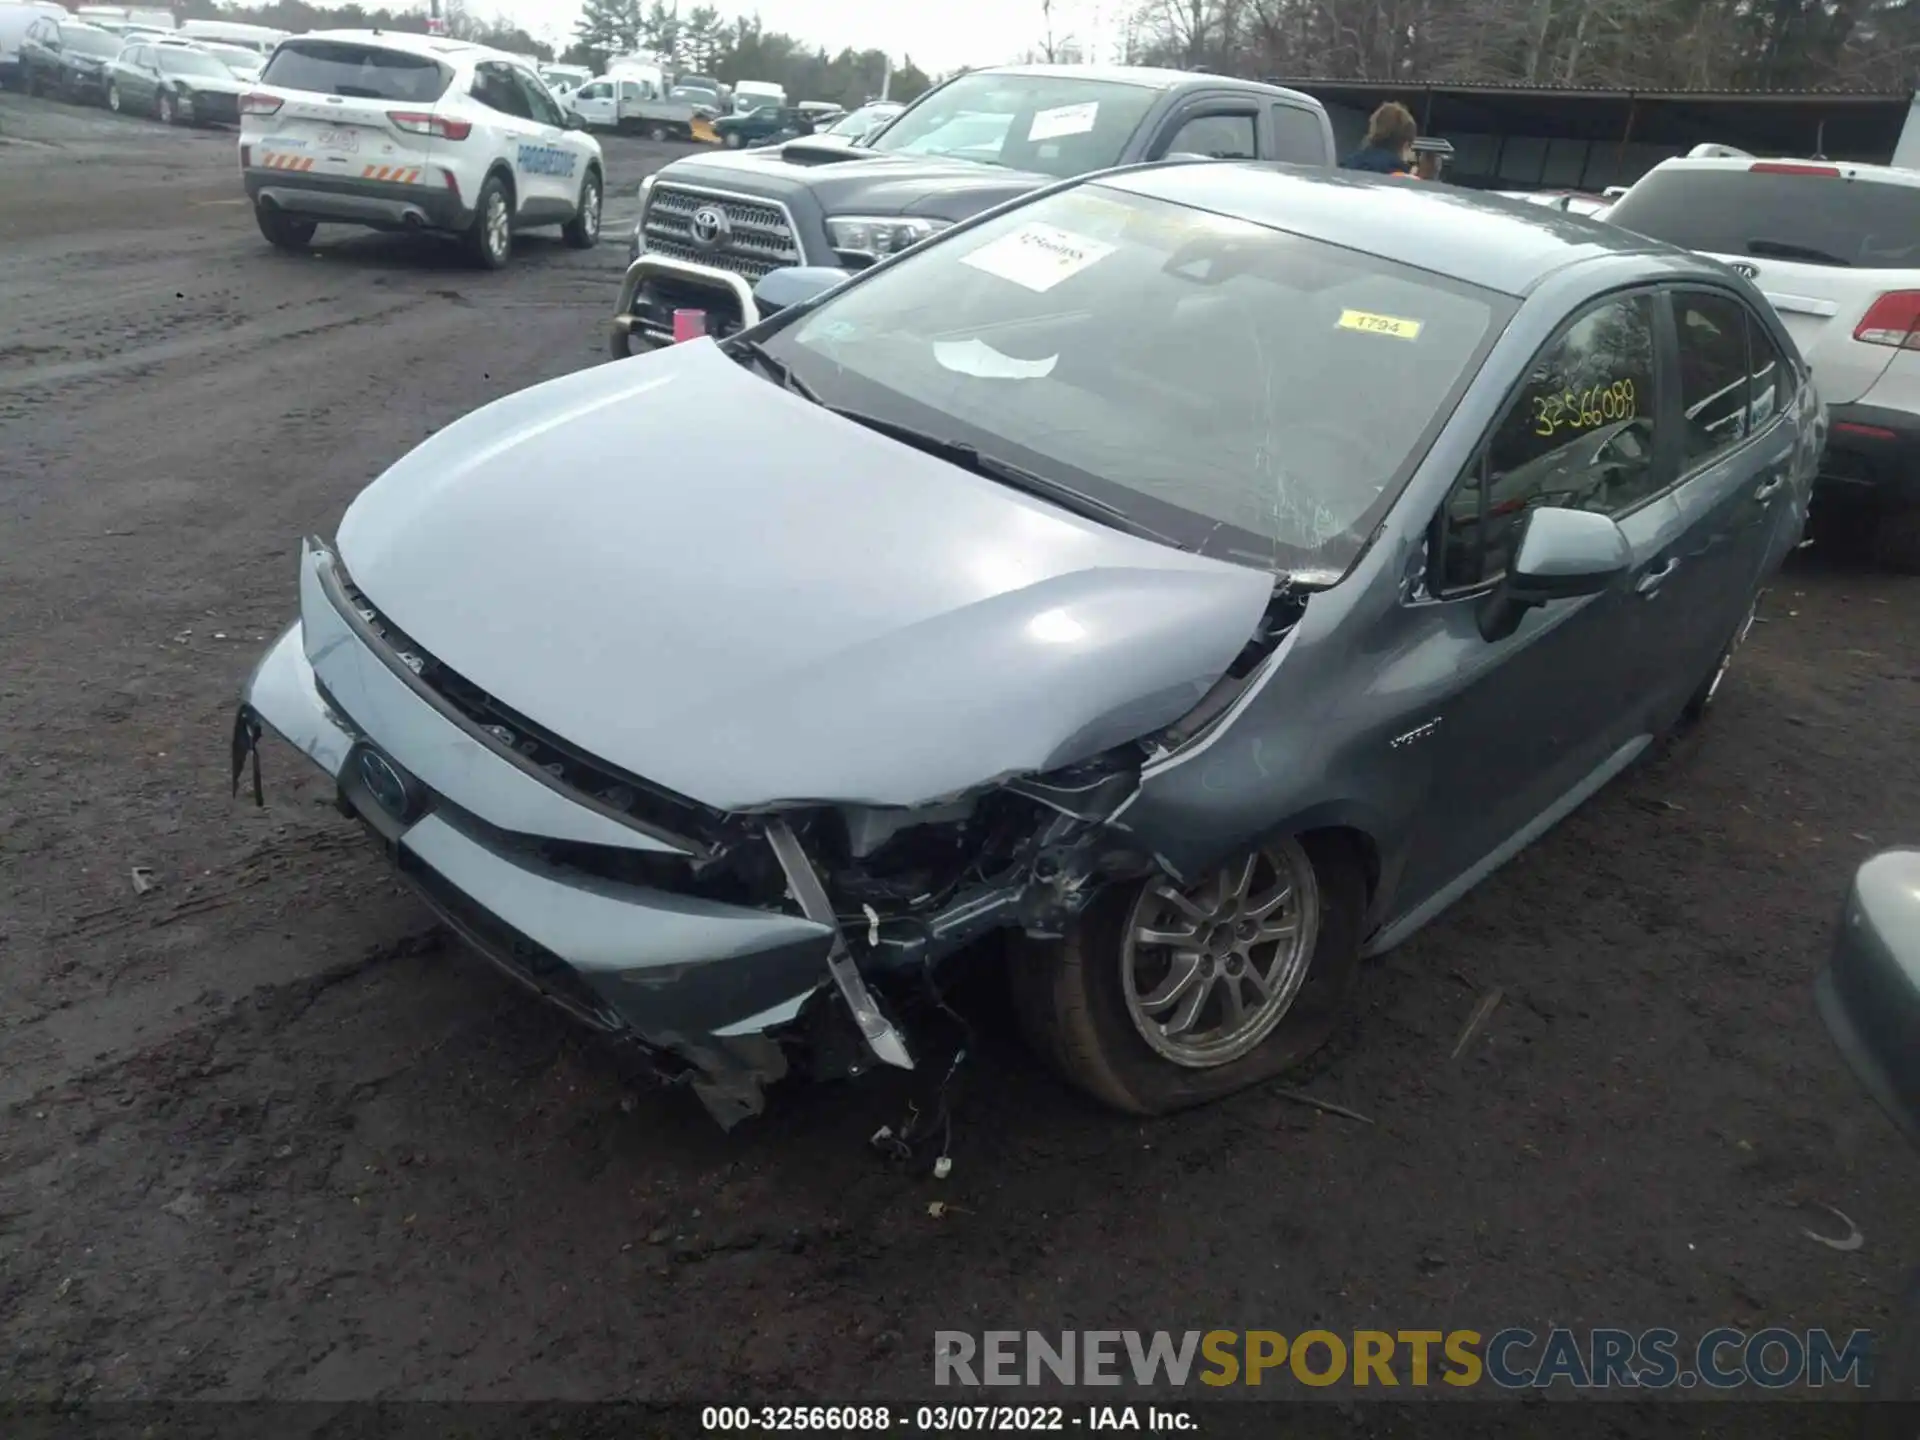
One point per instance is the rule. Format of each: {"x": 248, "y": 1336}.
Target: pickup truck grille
{"x": 759, "y": 235}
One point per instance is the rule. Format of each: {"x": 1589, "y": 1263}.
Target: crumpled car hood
{"x": 721, "y": 588}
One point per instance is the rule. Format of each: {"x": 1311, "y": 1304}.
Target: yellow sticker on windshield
{"x": 1380, "y": 324}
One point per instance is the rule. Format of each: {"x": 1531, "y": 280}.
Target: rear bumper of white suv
{"x": 1872, "y": 457}
{"x": 378, "y": 204}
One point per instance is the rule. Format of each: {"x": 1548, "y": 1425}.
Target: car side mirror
{"x": 794, "y": 285}
{"x": 1869, "y": 994}
{"x": 1558, "y": 554}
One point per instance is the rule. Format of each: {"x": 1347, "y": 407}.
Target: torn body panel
{"x": 494, "y": 851}
{"x": 715, "y": 941}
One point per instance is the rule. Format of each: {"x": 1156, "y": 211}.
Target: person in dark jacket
{"x": 1388, "y": 148}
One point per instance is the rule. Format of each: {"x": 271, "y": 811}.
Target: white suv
{"x": 1836, "y": 248}
{"x": 401, "y": 132}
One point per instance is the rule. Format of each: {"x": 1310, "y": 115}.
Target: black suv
{"x": 67, "y": 60}
{"x": 713, "y": 225}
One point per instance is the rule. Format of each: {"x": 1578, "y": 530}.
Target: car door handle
{"x": 1769, "y": 488}
{"x": 1650, "y": 582}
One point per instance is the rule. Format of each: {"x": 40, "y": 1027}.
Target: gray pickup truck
{"x": 712, "y": 226}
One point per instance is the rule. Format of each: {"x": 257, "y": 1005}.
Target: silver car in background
{"x": 1206, "y": 572}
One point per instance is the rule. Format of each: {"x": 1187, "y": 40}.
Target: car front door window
{"x": 1579, "y": 434}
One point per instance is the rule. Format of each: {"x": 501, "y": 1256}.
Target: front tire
{"x": 583, "y": 231}
{"x": 283, "y": 231}
{"x": 1163, "y": 996}
{"x": 656, "y": 132}
{"x": 489, "y": 240}
{"x": 733, "y": 140}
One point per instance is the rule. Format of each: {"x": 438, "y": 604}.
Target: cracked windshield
{"x": 1255, "y": 395}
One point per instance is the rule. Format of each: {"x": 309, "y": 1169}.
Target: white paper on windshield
{"x": 1038, "y": 256}
{"x": 983, "y": 362}
{"x": 1063, "y": 120}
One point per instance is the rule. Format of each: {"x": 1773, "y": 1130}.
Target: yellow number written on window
{"x": 1585, "y": 409}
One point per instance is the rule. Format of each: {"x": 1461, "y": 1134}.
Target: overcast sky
{"x": 938, "y": 34}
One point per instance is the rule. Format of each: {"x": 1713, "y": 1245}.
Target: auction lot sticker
{"x": 1371, "y": 324}
{"x": 1038, "y": 256}
{"x": 1063, "y": 120}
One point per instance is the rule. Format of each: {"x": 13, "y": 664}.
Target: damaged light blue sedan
{"x": 1206, "y": 572}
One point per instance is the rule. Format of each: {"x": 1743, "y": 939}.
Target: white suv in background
{"x": 1836, "y": 248}
{"x": 400, "y": 132}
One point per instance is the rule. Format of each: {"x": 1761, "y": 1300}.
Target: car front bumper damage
{"x": 708, "y": 985}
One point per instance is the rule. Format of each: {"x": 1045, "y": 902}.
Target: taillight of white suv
{"x": 1893, "y": 319}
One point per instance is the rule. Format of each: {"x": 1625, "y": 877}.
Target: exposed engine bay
{"x": 909, "y": 888}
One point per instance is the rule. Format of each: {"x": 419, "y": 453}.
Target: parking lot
{"x": 268, "y": 1132}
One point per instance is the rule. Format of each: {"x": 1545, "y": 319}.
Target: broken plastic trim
{"x": 879, "y": 1032}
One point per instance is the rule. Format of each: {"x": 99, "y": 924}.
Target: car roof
{"x": 435, "y": 47}
{"x": 1148, "y": 77}
{"x": 1883, "y": 174}
{"x": 1496, "y": 244}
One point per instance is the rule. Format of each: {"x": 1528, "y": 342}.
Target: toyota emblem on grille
{"x": 1752, "y": 272}
{"x": 710, "y": 227}
{"x": 385, "y": 783}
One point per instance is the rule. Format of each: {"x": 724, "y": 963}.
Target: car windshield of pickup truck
{"x": 1248, "y": 393}
{"x": 1049, "y": 124}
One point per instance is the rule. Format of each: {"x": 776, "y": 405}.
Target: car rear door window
{"x": 1773, "y": 377}
{"x": 353, "y": 71}
{"x": 1297, "y": 136}
{"x": 1578, "y": 435}
{"x": 540, "y": 105}
{"x": 1712, "y": 334}
{"x": 494, "y": 86}
{"x": 1221, "y": 136}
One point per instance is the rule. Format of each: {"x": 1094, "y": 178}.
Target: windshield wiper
{"x": 1787, "y": 250}
{"x": 778, "y": 369}
{"x": 1015, "y": 477}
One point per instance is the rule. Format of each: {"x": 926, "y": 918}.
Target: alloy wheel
{"x": 497, "y": 224}
{"x": 1211, "y": 968}
{"x": 590, "y": 210}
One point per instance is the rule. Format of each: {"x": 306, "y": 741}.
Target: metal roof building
{"x": 1567, "y": 137}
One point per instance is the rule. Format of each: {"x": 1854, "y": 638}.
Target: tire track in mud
{"x": 150, "y": 349}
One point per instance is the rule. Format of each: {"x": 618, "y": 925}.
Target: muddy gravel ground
{"x": 268, "y": 1132}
